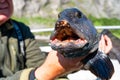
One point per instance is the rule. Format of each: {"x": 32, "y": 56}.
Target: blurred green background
{"x": 50, "y": 22}
{"x": 43, "y": 13}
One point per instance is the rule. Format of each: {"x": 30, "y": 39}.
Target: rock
{"x": 50, "y": 8}
{"x": 18, "y": 7}
{"x": 31, "y": 8}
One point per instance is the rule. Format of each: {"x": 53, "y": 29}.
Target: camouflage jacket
{"x": 10, "y": 58}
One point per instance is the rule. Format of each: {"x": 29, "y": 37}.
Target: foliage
{"x": 36, "y": 20}
{"x": 107, "y": 22}
{"x": 116, "y": 33}
{"x": 104, "y": 21}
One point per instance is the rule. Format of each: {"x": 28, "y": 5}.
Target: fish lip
{"x": 68, "y": 43}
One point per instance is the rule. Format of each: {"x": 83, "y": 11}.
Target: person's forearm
{"x": 47, "y": 72}
{"x": 56, "y": 65}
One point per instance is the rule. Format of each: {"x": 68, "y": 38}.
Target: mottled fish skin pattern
{"x": 77, "y": 24}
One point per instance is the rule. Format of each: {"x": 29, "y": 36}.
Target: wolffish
{"x": 74, "y": 36}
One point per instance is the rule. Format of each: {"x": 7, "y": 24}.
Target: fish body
{"x": 74, "y": 36}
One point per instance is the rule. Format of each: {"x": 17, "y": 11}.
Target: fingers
{"x": 102, "y": 44}
{"x": 108, "y": 44}
{"x": 105, "y": 44}
{"x": 108, "y": 41}
{"x": 63, "y": 63}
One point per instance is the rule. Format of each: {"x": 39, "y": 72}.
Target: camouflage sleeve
{"x": 34, "y": 56}
{"x": 20, "y": 75}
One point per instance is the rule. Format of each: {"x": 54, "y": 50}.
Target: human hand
{"x": 55, "y": 65}
{"x": 105, "y": 44}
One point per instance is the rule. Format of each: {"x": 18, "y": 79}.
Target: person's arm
{"x": 19, "y": 75}
{"x": 56, "y": 65}
{"x": 105, "y": 44}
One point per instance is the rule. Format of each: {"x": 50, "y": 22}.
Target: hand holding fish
{"x": 105, "y": 44}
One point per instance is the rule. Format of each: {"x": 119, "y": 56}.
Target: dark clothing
{"x": 11, "y": 65}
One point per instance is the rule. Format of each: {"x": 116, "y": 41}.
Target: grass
{"x": 116, "y": 33}
{"x": 37, "y": 20}
{"x": 105, "y": 21}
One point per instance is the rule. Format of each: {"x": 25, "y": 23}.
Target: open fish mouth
{"x": 65, "y": 36}
{"x": 73, "y": 35}
{"x": 65, "y": 39}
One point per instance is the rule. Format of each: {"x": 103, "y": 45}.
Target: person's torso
{"x": 9, "y": 50}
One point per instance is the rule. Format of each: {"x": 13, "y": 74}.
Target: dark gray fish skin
{"x": 82, "y": 27}
{"x": 79, "y": 23}
{"x": 95, "y": 61}
{"x": 101, "y": 66}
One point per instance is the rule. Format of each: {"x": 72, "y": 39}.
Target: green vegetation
{"x": 107, "y": 22}
{"x": 104, "y": 21}
{"x": 116, "y": 33}
{"x": 50, "y": 22}
{"x": 36, "y": 20}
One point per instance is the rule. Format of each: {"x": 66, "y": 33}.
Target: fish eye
{"x": 77, "y": 14}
